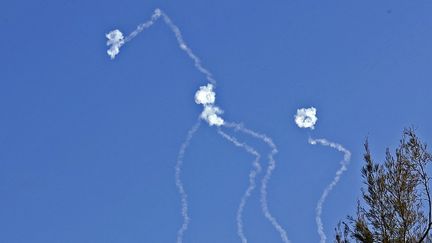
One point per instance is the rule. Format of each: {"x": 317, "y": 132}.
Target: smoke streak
{"x": 116, "y": 41}
{"x": 182, "y": 44}
{"x": 184, "y": 47}
{"x": 264, "y": 182}
{"x": 252, "y": 175}
{"x": 329, "y": 188}
{"x": 140, "y": 28}
{"x": 178, "y": 181}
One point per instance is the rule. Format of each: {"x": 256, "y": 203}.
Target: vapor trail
{"x": 184, "y": 47}
{"x": 264, "y": 182}
{"x": 140, "y": 28}
{"x": 182, "y": 44}
{"x": 178, "y": 181}
{"x": 252, "y": 176}
{"x": 344, "y": 163}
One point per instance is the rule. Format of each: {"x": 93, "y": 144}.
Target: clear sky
{"x": 88, "y": 145}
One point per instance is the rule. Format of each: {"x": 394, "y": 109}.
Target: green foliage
{"x": 396, "y": 200}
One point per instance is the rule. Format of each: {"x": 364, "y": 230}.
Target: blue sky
{"x": 88, "y": 145}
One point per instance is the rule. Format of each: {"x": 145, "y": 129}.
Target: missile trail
{"x": 344, "y": 163}
{"x": 182, "y": 44}
{"x": 179, "y": 183}
{"x": 116, "y": 41}
{"x": 252, "y": 176}
{"x": 210, "y": 113}
{"x": 264, "y": 182}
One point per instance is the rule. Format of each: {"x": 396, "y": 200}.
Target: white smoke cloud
{"x": 115, "y": 41}
{"x": 306, "y": 118}
{"x": 211, "y": 115}
{"x": 207, "y": 97}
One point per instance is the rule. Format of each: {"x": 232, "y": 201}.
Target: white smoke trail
{"x": 329, "y": 188}
{"x": 184, "y": 47}
{"x": 264, "y": 182}
{"x": 117, "y": 43}
{"x": 252, "y": 175}
{"x": 178, "y": 181}
{"x": 140, "y": 28}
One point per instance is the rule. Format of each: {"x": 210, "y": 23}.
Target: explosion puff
{"x": 306, "y": 118}
{"x": 207, "y": 97}
{"x": 115, "y": 41}
{"x": 210, "y": 114}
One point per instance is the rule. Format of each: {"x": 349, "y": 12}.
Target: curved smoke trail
{"x": 179, "y": 183}
{"x": 141, "y": 27}
{"x": 329, "y": 188}
{"x": 184, "y": 47}
{"x": 264, "y": 182}
{"x": 252, "y": 176}
{"x": 182, "y": 44}
{"x": 116, "y": 41}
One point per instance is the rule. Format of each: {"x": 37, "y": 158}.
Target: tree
{"x": 396, "y": 200}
